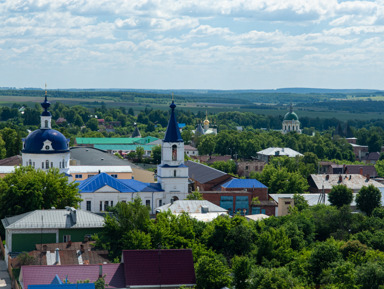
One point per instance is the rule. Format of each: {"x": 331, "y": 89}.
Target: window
{"x": 47, "y": 147}
{"x": 42, "y": 165}
{"x": 160, "y": 203}
{"x": 174, "y": 153}
{"x": 46, "y": 123}
{"x": 89, "y": 176}
{"x": 88, "y": 205}
{"x": 79, "y": 176}
{"x": 148, "y": 203}
{"x": 51, "y": 164}
{"x": 101, "y": 206}
{"x": 47, "y": 164}
{"x": 174, "y": 173}
{"x": 60, "y": 165}
{"x": 246, "y": 168}
{"x": 63, "y": 165}
{"x": 114, "y": 176}
{"x": 123, "y": 201}
{"x": 106, "y": 204}
{"x": 66, "y": 238}
{"x": 111, "y": 203}
{"x": 33, "y": 164}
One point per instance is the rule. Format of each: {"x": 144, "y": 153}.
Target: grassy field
{"x": 162, "y": 103}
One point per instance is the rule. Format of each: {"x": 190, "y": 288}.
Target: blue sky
{"x": 192, "y": 44}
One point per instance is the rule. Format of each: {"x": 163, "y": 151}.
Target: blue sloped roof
{"x": 173, "y": 133}
{"x": 243, "y": 183}
{"x": 96, "y": 182}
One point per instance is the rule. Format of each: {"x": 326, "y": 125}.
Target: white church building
{"x": 47, "y": 148}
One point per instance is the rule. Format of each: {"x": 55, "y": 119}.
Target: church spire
{"x": 173, "y": 133}
{"x": 46, "y": 116}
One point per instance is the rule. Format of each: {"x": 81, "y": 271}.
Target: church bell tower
{"x": 172, "y": 174}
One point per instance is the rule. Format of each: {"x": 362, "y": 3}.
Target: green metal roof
{"x": 112, "y": 147}
{"x": 113, "y": 140}
{"x": 291, "y": 116}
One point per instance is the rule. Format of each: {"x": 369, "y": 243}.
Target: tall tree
{"x": 368, "y": 199}
{"x": 28, "y": 189}
{"x": 340, "y": 195}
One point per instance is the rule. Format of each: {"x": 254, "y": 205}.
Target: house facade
{"x": 23, "y": 232}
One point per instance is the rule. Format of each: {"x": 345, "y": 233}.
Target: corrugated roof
{"x": 158, "y": 267}
{"x": 190, "y": 206}
{"x": 53, "y": 219}
{"x": 352, "y": 181}
{"x": 99, "y": 181}
{"x": 106, "y": 140}
{"x": 279, "y": 152}
{"x": 96, "y": 169}
{"x": 122, "y": 147}
{"x": 34, "y": 275}
{"x": 202, "y": 173}
{"x": 87, "y": 156}
{"x": 243, "y": 183}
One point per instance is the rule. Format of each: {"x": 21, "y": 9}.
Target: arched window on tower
{"x": 174, "y": 173}
{"x": 30, "y": 163}
{"x": 63, "y": 164}
{"x": 46, "y": 123}
{"x": 174, "y": 153}
{"x": 47, "y": 164}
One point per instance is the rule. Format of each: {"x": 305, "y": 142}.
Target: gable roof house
{"x": 102, "y": 190}
{"x": 23, "y": 232}
{"x": 205, "y": 177}
{"x": 40, "y": 275}
{"x": 354, "y": 182}
{"x": 158, "y": 268}
{"x": 201, "y": 210}
{"x": 139, "y": 269}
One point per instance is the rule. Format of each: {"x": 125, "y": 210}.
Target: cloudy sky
{"x": 200, "y": 44}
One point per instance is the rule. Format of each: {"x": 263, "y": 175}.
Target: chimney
{"x": 361, "y": 171}
{"x": 327, "y": 177}
{"x": 367, "y": 177}
{"x": 344, "y": 169}
{"x": 340, "y": 179}
{"x": 57, "y": 262}
{"x": 204, "y": 209}
{"x": 73, "y": 214}
{"x": 100, "y": 270}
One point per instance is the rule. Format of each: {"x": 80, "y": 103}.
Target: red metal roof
{"x": 158, "y": 267}
{"x": 40, "y": 275}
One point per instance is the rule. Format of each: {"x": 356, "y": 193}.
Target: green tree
{"x": 371, "y": 275}
{"x": 368, "y": 199}
{"x": 211, "y": 273}
{"x": 156, "y": 154}
{"x": 127, "y": 219}
{"x": 139, "y": 153}
{"x": 340, "y": 195}
{"x": 300, "y": 202}
{"x": 207, "y": 144}
{"x": 93, "y": 124}
{"x": 195, "y": 195}
{"x": 379, "y": 166}
{"x": 28, "y": 189}
{"x": 322, "y": 256}
{"x": 374, "y": 143}
{"x": 12, "y": 141}
{"x": 241, "y": 268}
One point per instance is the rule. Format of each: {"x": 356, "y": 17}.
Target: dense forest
{"x": 327, "y": 246}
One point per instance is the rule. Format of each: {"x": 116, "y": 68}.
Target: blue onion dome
{"x": 45, "y": 141}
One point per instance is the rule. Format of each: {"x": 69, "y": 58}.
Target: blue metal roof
{"x": 95, "y": 183}
{"x": 35, "y": 142}
{"x": 243, "y": 183}
{"x": 173, "y": 133}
